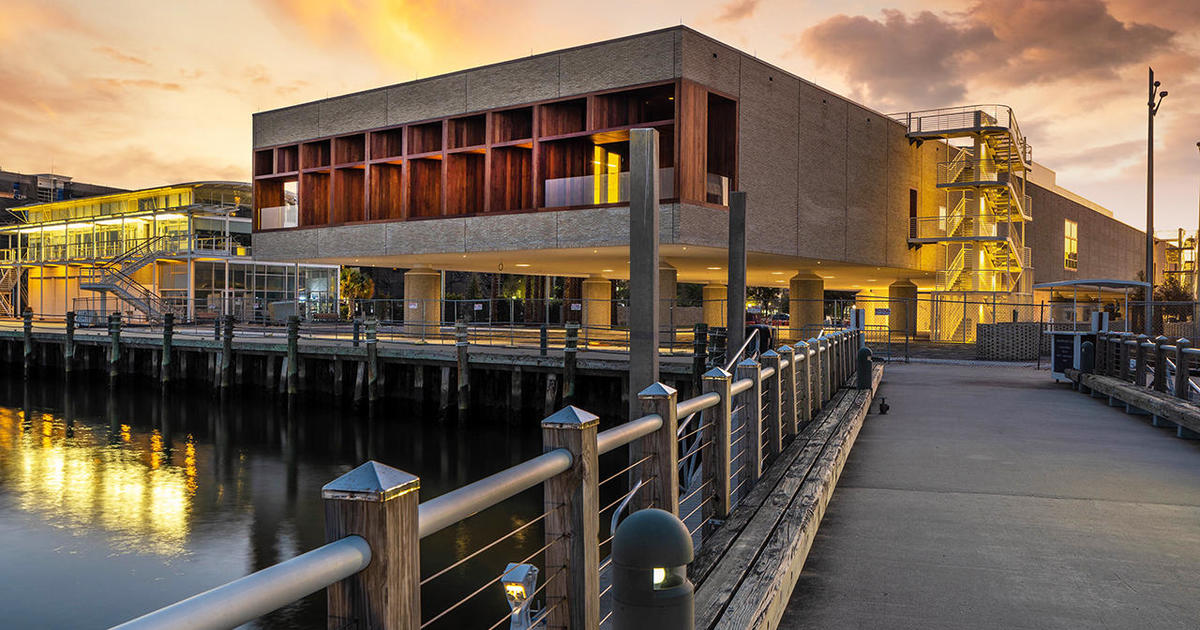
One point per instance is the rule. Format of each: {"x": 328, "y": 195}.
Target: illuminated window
{"x": 1071, "y": 245}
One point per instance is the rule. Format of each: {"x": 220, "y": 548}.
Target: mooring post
{"x": 699, "y": 355}
{"x": 227, "y": 352}
{"x": 372, "y": 361}
{"x": 293, "y": 354}
{"x": 1182, "y": 380}
{"x": 114, "y": 348}
{"x": 772, "y": 419}
{"x": 379, "y": 504}
{"x": 1124, "y": 356}
{"x": 27, "y": 318}
{"x": 660, "y": 470}
{"x": 357, "y": 330}
{"x": 1160, "y": 364}
{"x": 69, "y": 344}
{"x": 571, "y": 503}
{"x": 715, "y": 458}
{"x": 751, "y": 404}
{"x": 464, "y": 367}
{"x": 803, "y": 383}
{"x": 787, "y": 385}
{"x": 570, "y": 359}
{"x": 167, "y": 340}
{"x": 1140, "y": 359}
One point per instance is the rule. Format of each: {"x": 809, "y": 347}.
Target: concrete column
{"x": 422, "y": 300}
{"x": 597, "y": 303}
{"x": 902, "y": 300}
{"x": 643, "y": 266}
{"x": 806, "y": 295}
{"x": 736, "y": 304}
{"x": 714, "y": 304}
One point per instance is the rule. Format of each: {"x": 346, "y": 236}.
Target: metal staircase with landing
{"x": 8, "y": 280}
{"x": 115, "y": 277}
{"x": 982, "y": 237}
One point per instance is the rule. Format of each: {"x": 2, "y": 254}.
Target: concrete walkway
{"x": 990, "y": 497}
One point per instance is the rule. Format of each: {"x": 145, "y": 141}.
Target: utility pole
{"x": 1151, "y": 110}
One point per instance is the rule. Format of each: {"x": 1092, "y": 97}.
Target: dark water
{"x": 113, "y": 504}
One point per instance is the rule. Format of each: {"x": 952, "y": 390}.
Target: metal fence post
{"x": 1140, "y": 359}
{"x": 751, "y": 405}
{"x": 227, "y": 352}
{"x": 715, "y": 459}
{"x": 1160, "y": 364}
{"x": 167, "y": 341}
{"x": 572, "y": 523}
{"x": 69, "y": 344}
{"x": 787, "y": 385}
{"x": 570, "y": 360}
{"x": 1182, "y": 371}
{"x": 27, "y": 326}
{"x": 114, "y": 348}
{"x": 660, "y": 472}
{"x": 380, "y": 504}
{"x": 772, "y": 418}
{"x": 293, "y": 354}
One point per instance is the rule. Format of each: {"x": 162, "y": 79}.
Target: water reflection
{"x": 124, "y": 502}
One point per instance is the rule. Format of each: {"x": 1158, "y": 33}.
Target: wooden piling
{"x": 571, "y": 501}
{"x": 69, "y": 344}
{"x": 660, "y": 471}
{"x": 114, "y": 348}
{"x": 464, "y": 368}
{"x": 372, "y": 362}
{"x": 27, "y": 316}
{"x": 227, "y": 353}
{"x": 293, "y": 343}
{"x": 570, "y": 359}
{"x": 378, "y": 503}
{"x": 167, "y": 341}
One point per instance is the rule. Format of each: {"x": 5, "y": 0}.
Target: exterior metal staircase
{"x": 8, "y": 280}
{"x": 115, "y": 277}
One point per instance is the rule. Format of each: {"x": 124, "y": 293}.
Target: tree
{"x": 356, "y": 285}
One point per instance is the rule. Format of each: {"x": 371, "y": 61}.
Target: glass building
{"x": 182, "y": 249}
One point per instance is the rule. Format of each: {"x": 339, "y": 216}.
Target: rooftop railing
{"x": 968, "y": 118}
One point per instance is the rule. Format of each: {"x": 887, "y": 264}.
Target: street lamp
{"x": 1151, "y": 109}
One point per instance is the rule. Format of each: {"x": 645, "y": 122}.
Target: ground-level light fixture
{"x": 520, "y": 581}
{"x": 713, "y": 268}
{"x": 522, "y": 264}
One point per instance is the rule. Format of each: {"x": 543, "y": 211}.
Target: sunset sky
{"x": 137, "y": 94}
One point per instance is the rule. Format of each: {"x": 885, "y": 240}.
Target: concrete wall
{"x": 852, "y": 167}
{"x": 643, "y": 58}
{"x": 1108, "y": 248}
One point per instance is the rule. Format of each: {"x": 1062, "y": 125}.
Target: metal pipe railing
{"x": 439, "y": 513}
{"x": 740, "y": 385}
{"x": 245, "y": 599}
{"x": 623, "y": 434}
{"x": 699, "y": 403}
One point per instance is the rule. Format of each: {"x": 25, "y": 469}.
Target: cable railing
{"x": 374, "y": 517}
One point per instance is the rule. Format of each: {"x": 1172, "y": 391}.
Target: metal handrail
{"x": 623, "y": 434}
{"x": 248, "y": 598}
{"x": 441, "y": 512}
{"x": 699, "y": 403}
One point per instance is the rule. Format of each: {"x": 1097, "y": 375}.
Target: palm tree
{"x": 356, "y": 285}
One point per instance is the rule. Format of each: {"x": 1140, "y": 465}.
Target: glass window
{"x": 1071, "y": 245}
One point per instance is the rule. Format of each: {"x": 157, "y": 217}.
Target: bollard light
{"x": 651, "y": 551}
{"x": 520, "y": 581}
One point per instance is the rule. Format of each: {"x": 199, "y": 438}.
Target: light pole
{"x": 1196, "y": 257}
{"x": 1151, "y": 109}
